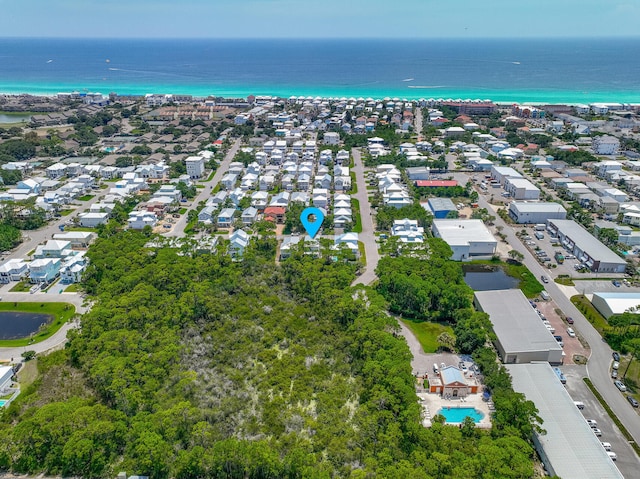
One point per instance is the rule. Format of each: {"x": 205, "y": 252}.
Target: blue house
{"x": 440, "y": 207}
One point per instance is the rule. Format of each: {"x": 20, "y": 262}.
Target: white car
{"x": 596, "y": 431}
{"x": 592, "y": 422}
{"x": 571, "y": 333}
{"x": 607, "y": 446}
{"x": 620, "y": 385}
{"x": 616, "y": 365}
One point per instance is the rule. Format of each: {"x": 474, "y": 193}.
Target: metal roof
{"x": 573, "y": 450}
{"x": 537, "y": 207}
{"x": 586, "y": 242}
{"x": 463, "y": 232}
{"x": 515, "y": 322}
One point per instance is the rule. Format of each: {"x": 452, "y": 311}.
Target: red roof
{"x": 436, "y": 183}
{"x": 275, "y": 210}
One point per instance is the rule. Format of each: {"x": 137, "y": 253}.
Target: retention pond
{"x": 21, "y": 325}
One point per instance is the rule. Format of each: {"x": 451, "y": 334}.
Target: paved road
{"x": 33, "y": 238}
{"x": 205, "y": 193}
{"x": 367, "y": 236}
{"x": 600, "y": 359}
{"x": 417, "y": 121}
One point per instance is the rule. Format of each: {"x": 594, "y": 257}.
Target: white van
{"x": 612, "y": 455}
{"x": 435, "y": 368}
{"x": 544, "y": 295}
{"x": 607, "y": 446}
{"x": 579, "y": 404}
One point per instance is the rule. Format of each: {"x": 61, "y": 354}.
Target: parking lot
{"x": 627, "y": 460}
{"x": 570, "y": 345}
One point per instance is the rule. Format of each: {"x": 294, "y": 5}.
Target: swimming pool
{"x": 457, "y": 414}
{"x": 2, "y": 402}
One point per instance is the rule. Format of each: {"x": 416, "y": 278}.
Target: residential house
{"x": 348, "y": 240}
{"x": 225, "y": 217}
{"x": 408, "y": 231}
{"x": 73, "y": 268}
{"x": 238, "y": 242}
{"x": 139, "y": 219}
{"x": 281, "y": 199}
{"x": 53, "y": 249}
{"x": 249, "y": 216}
{"x": 195, "y": 166}
{"x": 13, "y": 270}
{"x": 275, "y": 214}
{"x": 259, "y": 200}
{"x": 44, "y": 270}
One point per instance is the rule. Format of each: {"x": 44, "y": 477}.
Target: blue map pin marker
{"x": 312, "y": 227}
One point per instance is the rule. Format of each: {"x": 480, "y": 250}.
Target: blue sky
{"x": 319, "y": 18}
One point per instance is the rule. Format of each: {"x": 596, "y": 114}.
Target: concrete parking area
{"x": 572, "y": 346}
{"x": 627, "y": 461}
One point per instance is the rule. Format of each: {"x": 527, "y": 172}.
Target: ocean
{"x": 503, "y": 70}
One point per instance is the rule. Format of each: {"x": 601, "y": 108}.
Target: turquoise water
{"x": 518, "y": 70}
{"x": 2, "y": 402}
{"x": 457, "y": 414}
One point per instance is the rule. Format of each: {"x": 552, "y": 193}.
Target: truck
{"x": 559, "y": 257}
{"x": 540, "y": 227}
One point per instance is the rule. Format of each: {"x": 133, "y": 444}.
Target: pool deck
{"x": 432, "y": 403}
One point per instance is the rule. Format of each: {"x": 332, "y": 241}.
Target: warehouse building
{"x": 467, "y": 238}
{"x": 501, "y": 173}
{"x": 441, "y": 207}
{"x": 521, "y": 189}
{"x": 531, "y": 212}
{"x": 616, "y": 303}
{"x": 569, "y": 448}
{"x": 585, "y": 247}
{"x": 521, "y": 335}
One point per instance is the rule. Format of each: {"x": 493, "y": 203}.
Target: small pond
{"x": 15, "y": 117}
{"x": 15, "y": 325}
{"x": 481, "y": 277}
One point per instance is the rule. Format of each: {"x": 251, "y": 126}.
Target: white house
{"x": 350, "y": 240}
{"x": 467, "y": 238}
{"x": 238, "y": 242}
{"x": 195, "y": 166}
{"x": 13, "y": 270}
{"x": 408, "y": 231}
{"x": 92, "y": 220}
{"x": 605, "y": 145}
{"x": 73, "y": 268}
{"x": 139, "y": 219}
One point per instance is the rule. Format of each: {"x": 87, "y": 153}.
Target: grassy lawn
{"x": 354, "y": 183}
{"x": 427, "y": 333}
{"x": 21, "y": 287}
{"x": 593, "y": 316}
{"x": 62, "y": 312}
{"x": 28, "y": 374}
{"x": 182, "y": 211}
{"x": 355, "y": 208}
{"x": 199, "y": 186}
{"x": 86, "y": 197}
{"x": 529, "y": 285}
{"x": 65, "y": 212}
{"x": 211, "y": 175}
{"x": 565, "y": 280}
{"x": 72, "y": 288}
{"x": 363, "y": 254}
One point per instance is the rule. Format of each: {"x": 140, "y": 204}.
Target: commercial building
{"x": 585, "y": 247}
{"x": 521, "y": 189}
{"x": 525, "y": 212}
{"x": 501, "y": 173}
{"x": 467, "y": 238}
{"x": 569, "y": 448}
{"x": 441, "y": 207}
{"x": 616, "y": 303}
{"x": 521, "y": 335}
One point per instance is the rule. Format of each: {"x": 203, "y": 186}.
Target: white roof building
{"x": 467, "y": 238}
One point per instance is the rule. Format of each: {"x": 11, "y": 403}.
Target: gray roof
{"x": 573, "y": 450}
{"x": 441, "y": 204}
{"x": 515, "y": 322}
{"x": 537, "y": 207}
{"x": 586, "y": 241}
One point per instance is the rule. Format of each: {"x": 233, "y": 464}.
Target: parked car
{"x": 569, "y": 320}
{"x": 558, "y": 338}
{"x": 571, "y": 332}
{"x": 592, "y": 422}
{"x": 633, "y": 401}
{"x": 620, "y": 385}
{"x": 612, "y": 455}
{"x": 614, "y": 374}
{"x": 544, "y": 279}
{"x": 616, "y": 365}
{"x": 616, "y": 356}
{"x": 597, "y": 431}
{"x": 607, "y": 446}
{"x": 615, "y": 283}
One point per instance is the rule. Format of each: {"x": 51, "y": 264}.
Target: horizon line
{"x": 550, "y": 37}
